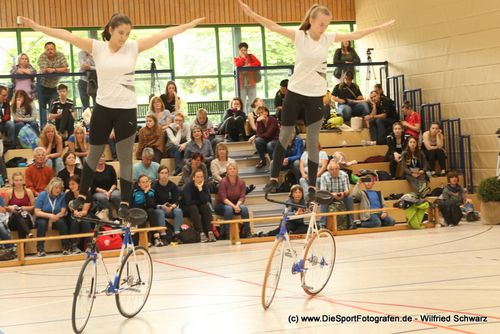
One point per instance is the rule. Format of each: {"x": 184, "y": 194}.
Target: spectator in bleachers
{"x": 151, "y": 136}
{"x": 50, "y": 213}
{"x": 70, "y": 169}
{"x": 294, "y": 226}
{"x": 413, "y": 121}
{"x": 200, "y": 145}
{"x": 196, "y": 205}
{"x": 248, "y": 79}
{"x": 38, "y": 174}
{"x": 3, "y": 167}
{"x": 4, "y": 230}
{"x": 76, "y": 226}
{"x": 62, "y": 112}
{"x": 230, "y": 200}
{"x": 157, "y": 108}
{"x": 143, "y": 197}
{"x": 218, "y": 166}
{"x": 433, "y": 148}
{"x": 171, "y": 100}
{"x": 252, "y": 116}
{"x": 51, "y": 61}
{"x": 178, "y": 134}
{"x": 52, "y": 142}
{"x": 415, "y": 166}
{"x": 383, "y": 115}
{"x": 188, "y": 169}
{"x": 146, "y": 166}
{"x": 293, "y": 153}
{"x": 86, "y": 63}
{"x": 167, "y": 198}
{"x": 378, "y": 88}
{"x": 336, "y": 182}
{"x": 23, "y": 67}
{"x": 78, "y": 143}
{"x": 20, "y": 204}
{"x": 452, "y": 200}
{"x": 266, "y": 136}
{"x": 24, "y": 112}
{"x": 396, "y": 143}
{"x": 349, "y": 98}
{"x": 233, "y": 126}
{"x": 304, "y": 168}
{"x": 280, "y": 97}
{"x": 6, "y": 124}
{"x": 104, "y": 187}
{"x": 345, "y": 55}
{"x": 371, "y": 199}
{"x": 205, "y": 124}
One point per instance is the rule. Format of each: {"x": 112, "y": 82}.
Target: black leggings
{"x": 433, "y": 155}
{"x": 103, "y": 120}
{"x": 310, "y": 109}
{"x": 200, "y": 215}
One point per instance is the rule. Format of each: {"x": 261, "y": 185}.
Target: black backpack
{"x": 189, "y": 236}
{"x": 288, "y": 183}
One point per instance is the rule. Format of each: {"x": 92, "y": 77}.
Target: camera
{"x": 366, "y": 179}
{"x": 369, "y": 51}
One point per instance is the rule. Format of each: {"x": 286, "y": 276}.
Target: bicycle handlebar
{"x": 298, "y": 206}
{"x": 114, "y": 223}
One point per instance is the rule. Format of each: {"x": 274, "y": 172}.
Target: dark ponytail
{"x": 115, "y": 21}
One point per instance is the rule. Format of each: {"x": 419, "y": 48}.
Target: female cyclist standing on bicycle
{"x": 308, "y": 84}
{"x": 116, "y": 102}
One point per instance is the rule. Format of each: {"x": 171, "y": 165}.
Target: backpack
{"x": 28, "y": 137}
{"x": 7, "y": 254}
{"x": 383, "y": 175}
{"x": 189, "y": 235}
{"x": 342, "y": 221}
{"x": 16, "y": 162}
{"x": 288, "y": 183}
{"x": 109, "y": 241}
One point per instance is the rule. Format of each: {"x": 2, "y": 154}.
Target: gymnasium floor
{"x": 215, "y": 288}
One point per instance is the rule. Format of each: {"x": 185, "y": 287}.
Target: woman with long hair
{"x": 170, "y": 99}
{"x": 345, "y": 55}
{"x": 116, "y": 103}
{"x": 78, "y": 143}
{"x": 308, "y": 83}
{"x": 52, "y": 142}
{"x": 20, "y": 203}
{"x": 396, "y": 144}
{"x": 151, "y": 135}
{"x": 24, "y": 112}
{"x": 157, "y": 108}
{"x": 415, "y": 167}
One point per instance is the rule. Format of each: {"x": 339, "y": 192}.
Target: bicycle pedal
{"x": 288, "y": 253}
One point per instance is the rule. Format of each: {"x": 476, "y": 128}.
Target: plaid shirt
{"x": 45, "y": 62}
{"x": 335, "y": 184}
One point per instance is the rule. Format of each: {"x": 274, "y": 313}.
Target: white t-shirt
{"x": 115, "y": 74}
{"x": 309, "y": 74}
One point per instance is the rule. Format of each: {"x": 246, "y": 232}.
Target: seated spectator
{"x": 383, "y": 115}
{"x": 252, "y": 116}
{"x": 104, "y": 187}
{"x": 23, "y": 67}
{"x": 280, "y": 97}
{"x": 415, "y": 166}
{"x": 293, "y": 153}
{"x": 188, "y": 169}
{"x": 6, "y": 125}
{"x": 76, "y": 226}
{"x": 62, "y": 112}
{"x": 151, "y": 136}
{"x": 198, "y": 144}
{"x": 52, "y": 142}
{"x": 452, "y": 200}
{"x": 266, "y": 136}
{"x": 233, "y": 126}
{"x": 24, "y": 112}
{"x": 349, "y": 98}
{"x": 78, "y": 143}
{"x": 196, "y": 205}
{"x": 412, "y": 120}
{"x": 143, "y": 197}
{"x": 327, "y": 106}
{"x": 146, "y": 166}
{"x": 371, "y": 199}
{"x": 433, "y": 148}
{"x": 170, "y": 99}
{"x": 340, "y": 158}
{"x": 230, "y": 200}
{"x": 218, "y": 166}
{"x": 20, "y": 204}
{"x": 294, "y": 226}
{"x": 304, "y": 168}
{"x": 396, "y": 143}
{"x": 178, "y": 134}
{"x": 70, "y": 169}
{"x": 38, "y": 174}
{"x": 4, "y": 230}
{"x": 50, "y": 212}
{"x": 378, "y": 88}
{"x": 3, "y": 168}
{"x": 167, "y": 200}
{"x": 157, "y": 108}
{"x": 336, "y": 182}
{"x": 206, "y": 126}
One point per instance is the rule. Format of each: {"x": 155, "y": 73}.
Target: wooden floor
{"x": 215, "y": 288}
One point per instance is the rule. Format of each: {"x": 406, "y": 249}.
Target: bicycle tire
{"x": 272, "y": 273}
{"x": 318, "y": 262}
{"x": 135, "y": 278}
{"x": 84, "y": 295}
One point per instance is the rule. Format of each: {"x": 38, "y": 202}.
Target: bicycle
{"x": 319, "y": 251}
{"x": 131, "y": 283}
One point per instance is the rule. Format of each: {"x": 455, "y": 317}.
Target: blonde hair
{"x": 232, "y": 164}
{"x": 312, "y": 13}
{"x": 43, "y": 134}
{"x": 79, "y": 128}
{"x": 202, "y": 111}
{"x": 21, "y": 174}
{"x": 19, "y": 57}
{"x": 54, "y": 182}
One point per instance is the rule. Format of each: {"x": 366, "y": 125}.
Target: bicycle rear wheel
{"x": 318, "y": 261}
{"x": 272, "y": 273}
{"x": 136, "y": 276}
{"x": 84, "y": 295}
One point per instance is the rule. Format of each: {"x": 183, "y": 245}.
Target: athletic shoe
{"x": 76, "y": 204}
{"x": 311, "y": 195}
{"x": 66, "y": 252}
{"x": 158, "y": 243}
{"x": 211, "y": 237}
{"x": 249, "y": 189}
{"x": 41, "y": 253}
{"x": 203, "y": 237}
{"x": 271, "y": 186}
{"x": 75, "y": 250}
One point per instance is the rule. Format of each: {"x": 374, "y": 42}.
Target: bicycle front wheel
{"x": 273, "y": 272}
{"x": 318, "y": 261}
{"x": 136, "y": 276}
{"x": 84, "y": 295}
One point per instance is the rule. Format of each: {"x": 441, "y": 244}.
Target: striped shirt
{"x": 335, "y": 184}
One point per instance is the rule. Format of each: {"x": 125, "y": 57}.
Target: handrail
{"x": 70, "y": 74}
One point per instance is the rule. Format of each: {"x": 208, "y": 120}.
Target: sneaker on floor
{"x": 203, "y": 237}
{"x": 271, "y": 186}
{"x": 66, "y": 252}
{"x": 261, "y": 164}
{"x": 249, "y": 189}
{"x": 211, "y": 237}
{"x": 158, "y": 243}
{"x": 75, "y": 250}
{"x": 311, "y": 195}
{"x": 41, "y": 253}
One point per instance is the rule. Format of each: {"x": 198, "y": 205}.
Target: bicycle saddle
{"x": 324, "y": 197}
{"x": 136, "y": 216}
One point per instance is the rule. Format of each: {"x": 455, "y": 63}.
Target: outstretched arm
{"x": 271, "y": 25}
{"x": 151, "y": 41}
{"x": 80, "y": 42}
{"x": 363, "y": 32}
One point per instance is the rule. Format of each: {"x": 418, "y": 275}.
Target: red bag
{"x": 109, "y": 241}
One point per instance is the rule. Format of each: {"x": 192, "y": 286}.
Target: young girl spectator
{"x": 170, "y": 99}
{"x": 200, "y": 145}
{"x": 151, "y": 135}
{"x": 20, "y": 204}
{"x": 396, "y": 143}
{"x": 434, "y": 148}
{"x": 233, "y": 126}
{"x": 24, "y": 112}
{"x": 70, "y": 169}
{"x": 157, "y": 108}
{"x": 451, "y": 201}
{"x": 207, "y": 128}
{"x": 76, "y": 226}
{"x": 415, "y": 167}
{"x": 178, "y": 134}
{"x": 78, "y": 143}
{"x": 266, "y": 136}
{"x": 295, "y": 226}
{"x": 52, "y": 142}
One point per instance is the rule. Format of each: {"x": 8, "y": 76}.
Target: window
{"x": 8, "y": 53}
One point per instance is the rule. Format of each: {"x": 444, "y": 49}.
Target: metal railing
{"x": 430, "y": 113}
{"x": 414, "y": 96}
{"x": 395, "y": 88}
